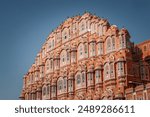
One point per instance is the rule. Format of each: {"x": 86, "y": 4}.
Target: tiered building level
{"x": 87, "y": 58}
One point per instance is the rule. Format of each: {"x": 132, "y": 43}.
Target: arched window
{"x": 92, "y": 49}
{"x": 90, "y": 76}
{"x": 49, "y": 45}
{"x": 106, "y": 71}
{"x": 44, "y": 91}
{"x": 48, "y": 90}
{"x": 60, "y": 85}
{"x": 70, "y": 85}
{"x": 78, "y": 79}
{"x": 65, "y": 83}
{"x": 82, "y": 27}
{"x": 63, "y": 56}
{"x": 53, "y": 92}
{"x": 92, "y": 28}
{"x": 86, "y": 48}
{"x": 83, "y": 77}
{"x": 68, "y": 55}
{"x": 108, "y": 44}
{"x": 120, "y": 68}
{"x": 74, "y": 28}
{"x": 53, "y": 43}
{"x": 113, "y": 43}
{"x": 100, "y": 30}
{"x": 122, "y": 41}
{"x": 51, "y": 64}
{"x": 47, "y": 64}
{"x": 100, "y": 48}
{"x": 80, "y": 51}
{"x": 97, "y": 75}
{"x": 112, "y": 69}
{"x": 65, "y": 34}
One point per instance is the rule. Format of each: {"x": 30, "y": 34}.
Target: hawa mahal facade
{"x": 86, "y": 58}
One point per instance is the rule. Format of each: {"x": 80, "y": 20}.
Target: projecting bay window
{"x": 82, "y": 27}
{"x": 36, "y": 75}
{"x": 65, "y": 85}
{"x": 51, "y": 65}
{"x": 100, "y": 30}
{"x": 120, "y": 65}
{"x": 63, "y": 58}
{"x": 97, "y": 76}
{"x": 80, "y": 51}
{"x": 92, "y": 49}
{"x": 78, "y": 81}
{"x": 47, "y": 66}
{"x": 74, "y": 28}
{"x": 86, "y": 50}
{"x": 44, "y": 91}
{"x": 108, "y": 46}
{"x": 106, "y": 72}
{"x": 65, "y": 36}
{"x": 122, "y": 41}
{"x": 83, "y": 80}
{"x": 53, "y": 43}
{"x": 60, "y": 87}
{"x": 68, "y": 57}
{"x": 73, "y": 56}
{"x": 111, "y": 70}
{"x": 113, "y": 43}
{"x": 53, "y": 91}
{"x": 100, "y": 48}
{"x": 41, "y": 71}
{"x": 56, "y": 63}
{"x": 70, "y": 85}
{"x": 90, "y": 78}
{"x": 48, "y": 90}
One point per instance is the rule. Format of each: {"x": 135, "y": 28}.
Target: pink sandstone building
{"x": 86, "y": 58}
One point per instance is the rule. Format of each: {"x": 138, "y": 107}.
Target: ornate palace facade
{"x": 87, "y": 58}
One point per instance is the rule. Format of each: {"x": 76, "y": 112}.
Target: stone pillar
{"x": 73, "y": 55}
{"x": 54, "y": 90}
{"x": 56, "y": 62}
{"x": 71, "y": 86}
{"x": 39, "y": 93}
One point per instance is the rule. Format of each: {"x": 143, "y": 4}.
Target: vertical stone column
{"x": 98, "y": 83}
{"x": 90, "y": 82}
{"x": 71, "y": 85}
{"x": 56, "y": 62}
{"x": 121, "y": 77}
{"x": 39, "y": 93}
{"x": 73, "y": 54}
{"x": 54, "y": 89}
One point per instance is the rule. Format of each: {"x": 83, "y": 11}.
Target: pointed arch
{"x": 63, "y": 59}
